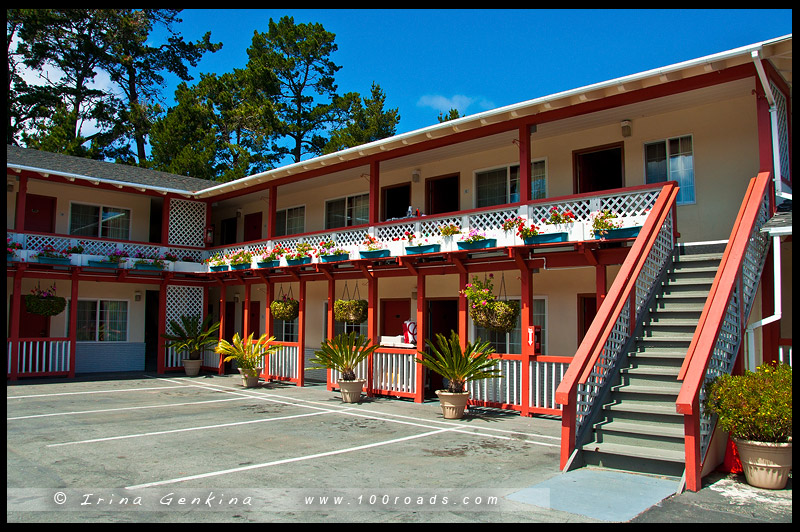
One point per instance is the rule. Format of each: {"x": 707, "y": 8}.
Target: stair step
{"x": 656, "y": 371}
{"x": 650, "y": 453}
{"x": 661, "y": 408}
{"x": 667, "y": 389}
{"x": 670, "y": 430}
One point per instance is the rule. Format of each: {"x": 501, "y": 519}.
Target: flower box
{"x": 240, "y": 266}
{"x": 103, "y": 264}
{"x": 151, "y": 267}
{"x": 620, "y": 232}
{"x": 374, "y": 254}
{"x": 221, "y": 268}
{"x": 54, "y": 260}
{"x": 335, "y": 258}
{"x": 546, "y": 238}
{"x": 269, "y": 264}
{"x": 427, "y": 248}
{"x": 298, "y": 262}
{"x": 478, "y": 244}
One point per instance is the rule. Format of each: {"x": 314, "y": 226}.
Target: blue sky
{"x": 427, "y": 61}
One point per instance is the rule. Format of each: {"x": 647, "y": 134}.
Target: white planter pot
{"x": 351, "y": 390}
{"x": 250, "y": 377}
{"x": 192, "y": 367}
{"x": 766, "y": 465}
{"x": 453, "y": 404}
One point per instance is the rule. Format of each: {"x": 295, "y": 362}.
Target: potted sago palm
{"x": 248, "y": 354}
{"x": 459, "y": 367}
{"x": 191, "y": 336}
{"x": 756, "y": 410}
{"x": 343, "y": 354}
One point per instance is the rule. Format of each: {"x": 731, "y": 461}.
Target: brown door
{"x": 252, "y": 226}
{"x": 598, "y": 168}
{"x": 253, "y": 324}
{"x": 40, "y": 213}
{"x": 393, "y": 313}
{"x": 442, "y": 194}
{"x": 442, "y": 318}
{"x": 587, "y": 310}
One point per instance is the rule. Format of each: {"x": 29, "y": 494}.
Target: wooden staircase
{"x": 639, "y": 429}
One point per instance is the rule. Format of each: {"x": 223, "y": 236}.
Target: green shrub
{"x": 756, "y": 406}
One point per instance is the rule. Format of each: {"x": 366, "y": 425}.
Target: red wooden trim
{"x": 524, "y": 162}
{"x": 19, "y": 214}
{"x": 73, "y": 324}
{"x": 301, "y": 334}
{"x": 374, "y": 191}
{"x": 419, "y": 396}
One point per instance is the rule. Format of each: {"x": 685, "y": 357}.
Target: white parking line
{"x": 104, "y": 410}
{"x": 285, "y": 461}
{"x": 91, "y": 392}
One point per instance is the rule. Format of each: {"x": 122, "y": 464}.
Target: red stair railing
{"x": 718, "y": 338}
{"x": 616, "y": 319}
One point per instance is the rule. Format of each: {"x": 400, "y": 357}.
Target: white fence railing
{"x": 41, "y": 356}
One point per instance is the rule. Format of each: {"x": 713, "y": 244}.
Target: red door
{"x": 252, "y": 226}
{"x": 393, "y": 314}
{"x": 32, "y": 325}
{"x": 40, "y": 213}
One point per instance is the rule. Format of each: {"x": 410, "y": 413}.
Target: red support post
{"x": 273, "y": 210}
{"x": 16, "y": 308}
{"x": 301, "y": 335}
{"x": 374, "y": 192}
{"x": 19, "y": 219}
{"x": 165, "y": 220}
{"x": 372, "y": 326}
{"x": 221, "y": 364}
{"x": 419, "y": 394}
{"x": 246, "y": 312}
{"x": 524, "y": 163}
{"x": 527, "y": 351}
{"x": 162, "y": 325}
{"x": 73, "y": 324}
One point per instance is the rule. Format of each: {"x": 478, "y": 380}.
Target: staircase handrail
{"x": 704, "y": 338}
{"x": 720, "y": 330}
{"x": 609, "y": 313}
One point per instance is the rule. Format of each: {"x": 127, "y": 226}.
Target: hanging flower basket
{"x": 496, "y": 315}
{"x": 45, "y": 306}
{"x": 486, "y": 310}
{"x": 286, "y": 309}
{"x": 350, "y": 310}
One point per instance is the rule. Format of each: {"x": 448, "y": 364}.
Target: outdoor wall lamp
{"x": 626, "y": 128}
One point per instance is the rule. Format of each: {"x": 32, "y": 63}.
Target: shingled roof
{"x": 56, "y": 163}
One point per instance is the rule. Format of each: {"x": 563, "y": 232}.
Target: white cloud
{"x": 444, "y": 104}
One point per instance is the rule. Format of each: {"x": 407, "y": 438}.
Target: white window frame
{"x": 100, "y": 206}
{"x": 286, "y": 210}
{"x": 473, "y": 332}
{"x": 666, "y": 141}
{"x": 508, "y": 168}
{"x": 347, "y": 199}
{"x": 98, "y": 300}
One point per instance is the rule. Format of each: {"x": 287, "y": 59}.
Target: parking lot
{"x": 155, "y": 448}
{"x": 175, "y": 448}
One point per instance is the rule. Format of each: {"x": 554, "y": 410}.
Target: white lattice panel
{"x": 187, "y": 222}
{"x": 184, "y": 301}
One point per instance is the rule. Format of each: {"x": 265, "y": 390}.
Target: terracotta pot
{"x": 453, "y": 404}
{"x": 192, "y": 367}
{"x": 250, "y": 377}
{"x": 351, "y": 390}
{"x": 766, "y": 465}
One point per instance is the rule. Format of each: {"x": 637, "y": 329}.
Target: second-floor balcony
{"x": 496, "y": 226}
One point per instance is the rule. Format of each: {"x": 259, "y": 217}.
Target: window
{"x": 290, "y": 221}
{"x": 501, "y": 185}
{"x": 340, "y": 327}
{"x": 511, "y": 342}
{"x": 285, "y": 331}
{"x": 344, "y": 212}
{"x": 101, "y": 320}
{"x": 672, "y": 160}
{"x": 100, "y": 221}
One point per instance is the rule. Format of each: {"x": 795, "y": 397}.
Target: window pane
{"x": 358, "y": 210}
{"x": 681, "y": 167}
{"x": 113, "y": 321}
{"x": 538, "y": 180}
{"x": 285, "y": 331}
{"x": 280, "y": 223}
{"x": 491, "y": 188}
{"x": 86, "y": 320}
{"x": 295, "y": 220}
{"x": 84, "y": 220}
{"x": 656, "y": 162}
{"x": 116, "y": 223}
{"x": 510, "y": 342}
{"x": 335, "y": 213}
{"x": 513, "y": 184}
